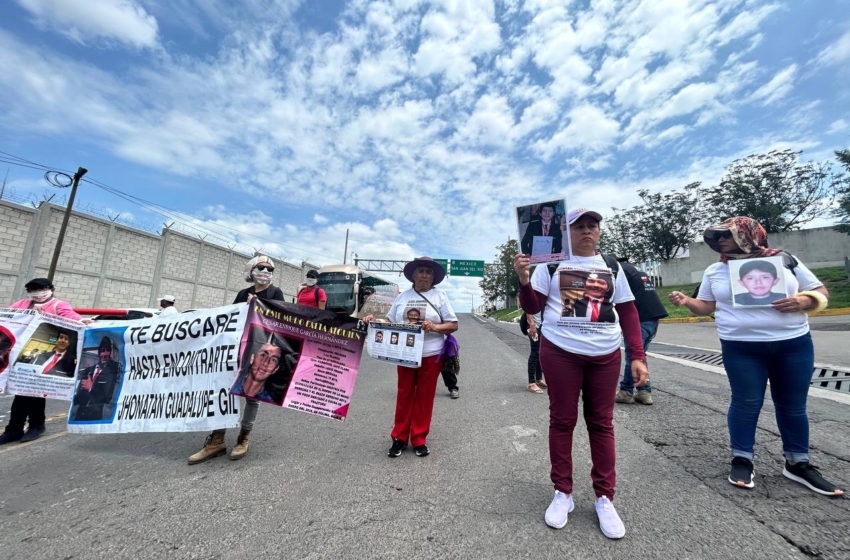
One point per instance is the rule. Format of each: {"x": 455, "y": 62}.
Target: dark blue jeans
{"x": 788, "y": 364}
{"x": 535, "y": 373}
{"x": 648, "y": 330}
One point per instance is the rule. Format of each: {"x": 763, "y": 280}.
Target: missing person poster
{"x": 757, "y": 282}
{"x": 399, "y": 343}
{"x": 300, "y": 358}
{"x": 47, "y": 361}
{"x": 543, "y": 231}
{"x": 14, "y": 328}
{"x": 164, "y": 374}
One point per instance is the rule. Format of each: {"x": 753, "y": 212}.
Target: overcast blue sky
{"x": 416, "y": 125}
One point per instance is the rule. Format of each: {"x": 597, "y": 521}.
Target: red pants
{"x": 595, "y": 378}
{"x": 415, "y": 401}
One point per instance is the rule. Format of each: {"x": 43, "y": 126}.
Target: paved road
{"x": 313, "y": 488}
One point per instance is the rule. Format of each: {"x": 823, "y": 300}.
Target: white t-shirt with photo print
{"x": 755, "y": 324}
{"x": 410, "y": 298}
{"x": 576, "y": 336}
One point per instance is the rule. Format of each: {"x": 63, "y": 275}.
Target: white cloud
{"x": 778, "y": 87}
{"x": 319, "y": 219}
{"x": 836, "y": 53}
{"x": 86, "y": 21}
{"x": 838, "y": 126}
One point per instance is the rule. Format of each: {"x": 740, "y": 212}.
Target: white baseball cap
{"x": 170, "y": 299}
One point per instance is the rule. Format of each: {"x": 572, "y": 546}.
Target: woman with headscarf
{"x": 762, "y": 344}
{"x": 39, "y": 297}
{"x": 580, "y": 353}
{"x": 259, "y": 271}
{"x": 417, "y": 386}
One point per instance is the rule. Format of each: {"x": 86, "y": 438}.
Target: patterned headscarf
{"x": 747, "y": 233}
{"x": 249, "y": 266}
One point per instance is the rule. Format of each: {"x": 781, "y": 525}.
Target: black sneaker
{"x": 742, "y": 473}
{"x": 454, "y": 393}
{"x": 9, "y": 437}
{"x": 421, "y": 450}
{"x": 32, "y": 434}
{"x": 808, "y": 475}
{"x": 397, "y": 448}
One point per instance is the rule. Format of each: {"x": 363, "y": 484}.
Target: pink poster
{"x": 300, "y": 358}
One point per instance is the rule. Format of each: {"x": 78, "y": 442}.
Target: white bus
{"x": 355, "y": 292}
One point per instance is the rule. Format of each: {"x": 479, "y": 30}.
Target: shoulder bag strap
{"x": 432, "y": 305}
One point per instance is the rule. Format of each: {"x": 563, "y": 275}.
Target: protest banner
{"x": 14, "y": 324}
{"x": 398, "y": 343}
{"x": 543, "y": 231}
{"x": 300, "y": 358}
{"x": 164, "y": 374}
{"x": 47, "y": 360}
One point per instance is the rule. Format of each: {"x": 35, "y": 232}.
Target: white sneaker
{"x": 559, "y": 509}
{"x": 610, "y": 523}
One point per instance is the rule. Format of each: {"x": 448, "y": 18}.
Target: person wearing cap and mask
{"x": 582, "y": 362}
{"x": 311, "y": 295}
{"x": 166, "y": 306}
{"x": 259, "y": 271}
{"x": 31, "y": 409}
{"x": 761, "y": 344}
{"x": 417, "y": 386}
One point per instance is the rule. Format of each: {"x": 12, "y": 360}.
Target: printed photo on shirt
{"x": 52, "y": 350}
{"x": 414, "y": 314}
{"x": 99, "y": 376}
{"x": 757, "y": 282}
{"x": 267, "y": 366}
{"x": 543, "y": 232}
{"x": 586, "y": 295}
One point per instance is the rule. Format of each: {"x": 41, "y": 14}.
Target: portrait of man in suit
{"x": 596, "y": 305}
{"x": 547, "y": 226}
{"x": 61, "y": 361}
{"x": 96, "y": 390}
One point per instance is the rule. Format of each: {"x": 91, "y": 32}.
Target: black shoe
{"x": 397, "y": 448}
{"x": 809, "y": 475}
{"x": 742, "y": 473}
{"x": 32, "y": 434}
{"x": 454, "y": 393}
{"x": 9, "y": 437}
{"x": 421, "y": 450}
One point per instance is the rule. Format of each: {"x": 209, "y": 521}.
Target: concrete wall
{"x": 816, "y": 248}
{"x": 110, "y": 265}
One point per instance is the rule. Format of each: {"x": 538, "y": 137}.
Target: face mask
{"x": 311, "y": 281}
{"x": 261, "y": 276}
{"x": 40, "y": 296}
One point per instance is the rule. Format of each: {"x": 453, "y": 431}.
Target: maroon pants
{"x": 595, "y": 378}
{"x": 415, "y": 401}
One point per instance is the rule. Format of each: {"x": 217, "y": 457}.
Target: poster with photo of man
{"x": 47, "y": 361}
{"x": 267, "y": 364}
{"x": 99, "y": 377}
{"x": 543, "y": 231}
{"x": 399, "y": 343}
{"x": 757, "y": 282}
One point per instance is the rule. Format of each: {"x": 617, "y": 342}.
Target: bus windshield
{"x": 339, "y": 288}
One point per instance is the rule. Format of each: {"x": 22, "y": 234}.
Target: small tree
{"x": 843, "y": 179}
{"x": 621, "y": 235}
{"x": 774, "y": 190}
{"x": 669, "y": 222}
{"x": 500, "y": 280}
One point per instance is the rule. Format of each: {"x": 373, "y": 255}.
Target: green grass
{"x": 834, "y": 278}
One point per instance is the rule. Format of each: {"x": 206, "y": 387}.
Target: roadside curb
{"x": 824, "y": 313}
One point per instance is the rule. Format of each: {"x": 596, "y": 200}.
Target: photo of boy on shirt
{"x": 761, "y": 280}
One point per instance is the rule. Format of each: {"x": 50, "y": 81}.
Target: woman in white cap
{"x": 259, "y": 271}
{"x": 166, "y": 306}
{"x": 31, "y": 409}
{"x": 580, "y": 353}
{"x": 417, "y": 386}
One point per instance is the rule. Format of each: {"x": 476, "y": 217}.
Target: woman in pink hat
{"x": 416, "y": 386}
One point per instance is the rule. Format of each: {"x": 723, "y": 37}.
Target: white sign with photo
{"x": 399, "y": 343}
{"x": 757, "y": 282}
{"x": 543, "y": 231}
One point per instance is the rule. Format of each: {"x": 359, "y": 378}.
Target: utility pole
{"x": 59, "y": 240}
{"x": 345, "y": 252}
{"x": 3, "y": 188}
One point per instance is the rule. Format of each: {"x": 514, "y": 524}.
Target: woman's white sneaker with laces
{"x": 559, "y": 510}
{"x": 610, "y": 523}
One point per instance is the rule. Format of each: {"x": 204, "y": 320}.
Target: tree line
{"x": 776, "y": 189}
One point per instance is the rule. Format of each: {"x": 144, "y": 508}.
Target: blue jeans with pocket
{"x": 788, "y": 365}
{"x": 647, "y": 330}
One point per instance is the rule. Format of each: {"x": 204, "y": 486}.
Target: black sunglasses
{"x": 723, "y": 235}
{"x": 264, "y": 267}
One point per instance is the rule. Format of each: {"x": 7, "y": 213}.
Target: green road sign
{"x": 444, "y": 263}
{"x": 467, "y": 268}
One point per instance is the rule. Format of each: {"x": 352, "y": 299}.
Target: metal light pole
{"x": 345, "y": 251}
{"x": 59, "y": 240}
